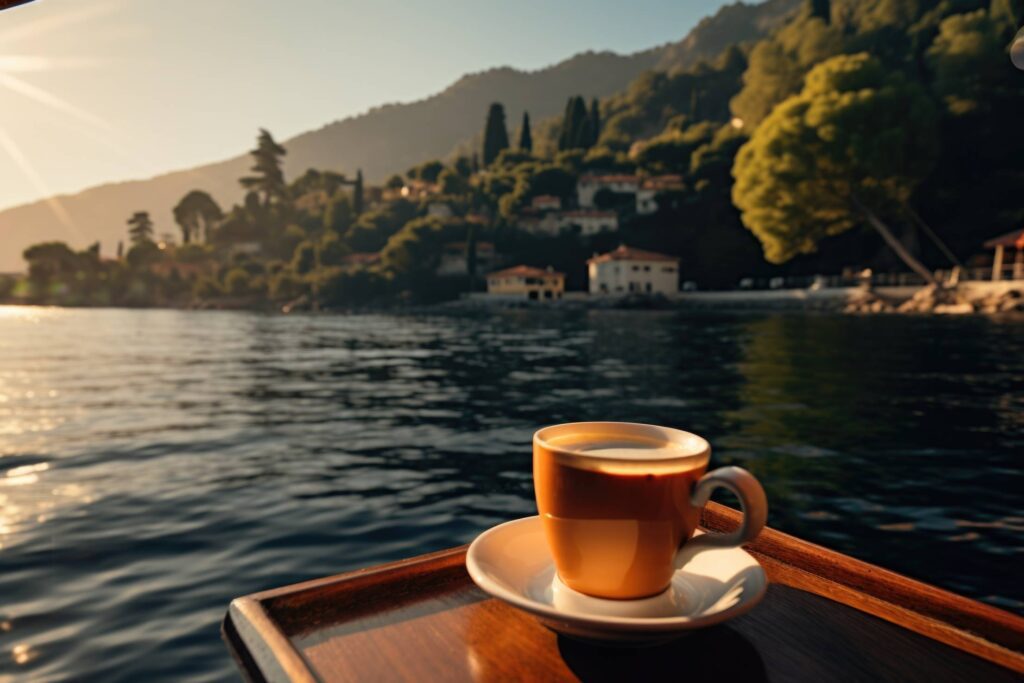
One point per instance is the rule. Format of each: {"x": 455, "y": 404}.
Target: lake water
{"x": 155, "y": 464}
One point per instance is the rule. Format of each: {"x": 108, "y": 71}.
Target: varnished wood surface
{"x": 826, "y": 617}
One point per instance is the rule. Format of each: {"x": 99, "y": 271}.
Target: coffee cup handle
{"x": 752, "y": 501}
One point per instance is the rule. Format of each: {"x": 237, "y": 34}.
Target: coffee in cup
{"x": 618, "y": 501}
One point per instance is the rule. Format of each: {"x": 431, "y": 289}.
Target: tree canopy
{"x": 196, "y": 214}
{"x": 268, "y": 177}
{"x": 140, "y": 228}
{"x": 848, "y": 149}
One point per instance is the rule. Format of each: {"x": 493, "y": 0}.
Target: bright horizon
{"x": 116, "y": 90}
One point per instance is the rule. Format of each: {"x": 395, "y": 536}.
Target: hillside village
{"x": 708, "y": 177}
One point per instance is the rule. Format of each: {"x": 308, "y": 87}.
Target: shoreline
{"x": 970, "y": 298}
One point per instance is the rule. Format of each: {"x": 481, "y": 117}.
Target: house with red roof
{"x": 589, "y": 184}
{"x": 633, "y": 271}
{"x": 526, "y": 283}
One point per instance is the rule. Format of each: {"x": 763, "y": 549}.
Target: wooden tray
{"x": 826, "y": 617}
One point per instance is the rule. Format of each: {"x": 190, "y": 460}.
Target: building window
{"x": 532, "y": 295}
{"x": 647, "y": 269}
{"x": 547, "y": 293}
{"x": 618, "y": 288}
{"x": 636, "y": 268}
{"x": 648, "y": 287}
{"x": 668, "y": 269}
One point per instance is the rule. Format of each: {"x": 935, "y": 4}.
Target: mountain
{"x": 384, "y": 140}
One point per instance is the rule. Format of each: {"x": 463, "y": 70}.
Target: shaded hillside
{"x": 382, "y": 141}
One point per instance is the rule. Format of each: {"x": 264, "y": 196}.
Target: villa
{"x": 628, "y": 270}
{"x": 590, "y": 184}
{"x": 526, "y": 283}
{"x": 650, "y": 188}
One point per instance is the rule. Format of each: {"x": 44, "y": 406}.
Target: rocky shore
{"x": 939, "y": 300}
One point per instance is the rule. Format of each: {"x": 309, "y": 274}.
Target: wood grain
{"x": 826, "y": 616}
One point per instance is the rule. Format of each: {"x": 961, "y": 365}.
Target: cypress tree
{"x": 581, "y": 124}
{"x": 575, "y": 133}
{"x": 525, "y": 137}
{"x": 357, "y": 194}
{"x": 495, "y": 133}
{"x": 595, "y": 122}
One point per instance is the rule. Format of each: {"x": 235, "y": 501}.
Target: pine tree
{"x": 357, "y": 194}
{"x": 525, "y": 137}
{"x": 495, "y": 133}
{"x": 595, "y": 121}
{"x": 269, "y": 178}
{"x": 140, "y": 228}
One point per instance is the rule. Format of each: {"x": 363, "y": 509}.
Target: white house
{"x": 590, "y": 184}
{"x": 627, "y": 270}
{"x": 650, "y": 188}
{"x": 590, "y": 221}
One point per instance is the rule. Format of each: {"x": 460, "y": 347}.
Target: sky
{"x": 93, "y": 91}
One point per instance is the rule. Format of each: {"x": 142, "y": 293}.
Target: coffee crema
{"x": 626, "y": 452}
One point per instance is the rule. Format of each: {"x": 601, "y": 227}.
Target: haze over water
{"x": 155, "y": 464}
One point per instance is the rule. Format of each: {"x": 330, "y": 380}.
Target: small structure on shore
{"x": 1012, "y": 240}
{"x": 526, "y": 283}
{"x": 633, "y": 271}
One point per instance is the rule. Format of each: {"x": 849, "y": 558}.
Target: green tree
{"x": 338, "y": 215}
{"x": 395, "y": 182}
{"x": 525, "y": 137}
{"x": 48, "y": 261}
{"x": 331, "y": 251}
{"x": 428, "y": 171}
{"x": 594, "y": 122}
{"x": 848, "y": 150}
{"x": 777, "y": 66}
{"x": 967, "y": 58}
{"x": 140, "y": 228}
{"x": 358, "y": 201}
{"x": 820, "y": 9}
{"x": 304, "y": 259}
{"x": 495, "y": 133}
{"x": 576, "y": 125}
{"x": 371, "y": 231}
{"x": 452, "y": 183}
{"x": 196, "y": 214}
{"x": 268, "y": 177}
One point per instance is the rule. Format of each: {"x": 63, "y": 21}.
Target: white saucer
{"x": 512, "y": 563}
